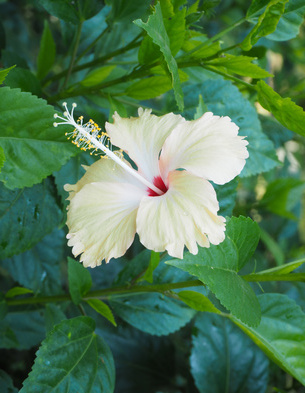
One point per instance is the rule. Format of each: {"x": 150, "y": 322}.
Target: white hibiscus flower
{"x": 168, "y": 200}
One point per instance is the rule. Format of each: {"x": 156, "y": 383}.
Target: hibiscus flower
{"x": 168, "y": 200}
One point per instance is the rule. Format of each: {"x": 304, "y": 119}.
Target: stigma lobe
{"x": 159, "y": 183}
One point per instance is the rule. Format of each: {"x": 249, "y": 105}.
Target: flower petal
{"x": 102, "y": 212}
{"x": 102, "y": 221}
{"x": 103, "y": 170}
{"x": 143, "y": 137}
{"x": 208, "y": 147}
{"x": 185, "y": 215}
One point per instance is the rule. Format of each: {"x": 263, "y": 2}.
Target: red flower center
{"x": 159, "y": 183}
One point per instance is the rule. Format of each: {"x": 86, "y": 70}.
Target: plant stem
{"x": 215, "y": 37}
{"x": 228, "y": 76}
{"x": 257, "y": 277}
{"x": 107, "y": 292}
{"x": 77, "y": 40}
{"x": 89, "y": 47}
{"x": 143, "y": 71}
{"x": 161, "y": 288}
{"x": 100, "y": 60}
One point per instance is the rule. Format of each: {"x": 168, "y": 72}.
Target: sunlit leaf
{"x": 156, "y": 30}
{"x": 240, "y": 65}
{"x": 266, "y": 23}
{"x": 3, "y": 73}
{"x": 16, "y": 291}
{"x": 102, "y": 309}
{"x": 290, "y": 22}
{"x": 97, "y": 76}
{"x": 198, "y": 301}
{"x": 284, "y": 110}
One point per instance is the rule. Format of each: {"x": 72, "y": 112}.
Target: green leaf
{"x": 144, "y": 363}
{"x": 217, "y": 267}
{"x": 47, "y": 52}
{"x": 127, "y": 11}
{"x": 174, "y": 24}
{"x": 273, "y": 247}
{"x": 281, "y": 333}
{"x": 70, "y": 173}
{"x": 43, "y": 274}
{"x": 72, "y": 357}
{"x": 175, "y": 28}
{"x": 33, "y": 148}
{"x": 6, "y": 384}
{"x": 23, "y": 79}
{"x": 97, "y": 76}
{"x": 275, "y": 131}
{"x": 27, "y": 328}
{"x": 2, "y": 158}
{"x": 152, "y": 87}
{"x": 153, "y": 264}
{"x": 53, "y": 316}
{"x": 26, "y": 216}
{"x": 134, "y": 268}
{"x": 283, "y": 269}
{"x": 256, "y": 8}
{"x": 7, "y": 336}
{"x": 156, "y": 30}
{"x": 80, "y": 281}
{"x": 102, "y": 309}
{"x": 224, "y": 99}
{"x": 197, "y": 40}
{"x": 282, "y": 195}
{"x": 240, "y": 65}
{"x": 284, "y": 110}
{"x": 266, "y": 23}
{"x": 16, "y": 291}
{"x": 3, "y": 73}
{"x": 290, "y": 22}
{"x": 245, "y": 233}
{"x": 73, "y": 12}
{"x": 152, "y": 313}
{"x": 89, "y": 8}
{"x": 116, "y": 106}
{"x": 223, "y": 359}
{"x": 198, "y": 301}
{"x": 3, "y": 306}
{"x": 226, "y": 195}
{"x": 201, "y": 108}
